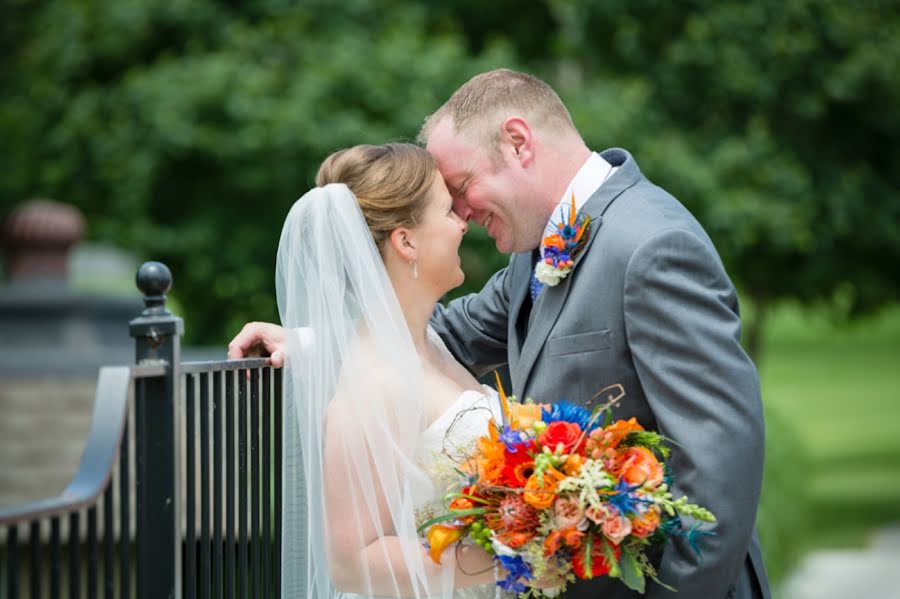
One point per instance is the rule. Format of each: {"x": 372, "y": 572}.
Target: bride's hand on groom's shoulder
{"x": 259, "y": 339}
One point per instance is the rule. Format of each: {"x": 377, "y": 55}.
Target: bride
{"x": 377, "y": 411}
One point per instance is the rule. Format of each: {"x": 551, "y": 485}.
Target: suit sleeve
{"x": 475, "y": 327}
{"x": 683, "y": 330}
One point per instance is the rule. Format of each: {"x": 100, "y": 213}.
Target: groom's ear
{"x": 517, "y": 140}
{"x": 404, "y": 243}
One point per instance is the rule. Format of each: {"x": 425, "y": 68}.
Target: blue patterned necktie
{"x": 535, "y": 287}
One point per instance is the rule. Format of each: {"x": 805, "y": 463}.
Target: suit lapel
{"x": 550, "y": 302}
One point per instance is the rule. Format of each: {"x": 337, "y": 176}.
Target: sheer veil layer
{"x": 353, "y": 413}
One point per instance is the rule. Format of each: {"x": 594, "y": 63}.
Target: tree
{"x": 185, "y": 131}
{"x": 774, "y": 122}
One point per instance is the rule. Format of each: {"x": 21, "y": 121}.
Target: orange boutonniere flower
{"x": 558, "y": 249}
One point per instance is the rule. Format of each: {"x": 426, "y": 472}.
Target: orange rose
{"x": 638, "y": 466}
{"x": 573, "y": 464}
{"x": 642, "y": 526}
{"x": 561, "y": 435}
{"x": 522, "y": 416}
{"x": 618, "y": 430}
{"x": 542, "y": 496}
{"x": 491, "y": 472}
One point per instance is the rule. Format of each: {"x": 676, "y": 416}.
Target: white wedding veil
{"x": 353, "y": 413}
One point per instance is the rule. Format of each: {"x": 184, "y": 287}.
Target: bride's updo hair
{"x": 390, "y": 182}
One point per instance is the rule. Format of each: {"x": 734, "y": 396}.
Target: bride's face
{"x": 438, "y": 237}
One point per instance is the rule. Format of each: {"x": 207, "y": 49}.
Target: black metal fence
{"x": 178, "y": 493}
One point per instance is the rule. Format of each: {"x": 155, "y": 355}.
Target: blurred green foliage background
{"x": 185, "y": 129}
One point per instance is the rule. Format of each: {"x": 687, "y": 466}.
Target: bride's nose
{"x": 461, "y": 208}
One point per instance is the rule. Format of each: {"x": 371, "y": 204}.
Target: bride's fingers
{"x": 243, "y": 343}
{"x": 277, "y": 358}
{"x": 258, "y": 339}
{"x": 253, "y": 340}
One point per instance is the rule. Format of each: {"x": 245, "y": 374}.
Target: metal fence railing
{"x": 178, "y": 492}
{"x": 232, "y": 494}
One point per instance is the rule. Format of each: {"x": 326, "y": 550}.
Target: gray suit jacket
{"x": 648, "y": 305}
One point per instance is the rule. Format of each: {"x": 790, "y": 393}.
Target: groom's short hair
{"x": 478, "y": 108}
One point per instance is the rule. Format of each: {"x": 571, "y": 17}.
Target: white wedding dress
{"x": 380, "y": 466}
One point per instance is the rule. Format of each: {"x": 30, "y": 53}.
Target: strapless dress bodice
{"x": 443, "y": 446}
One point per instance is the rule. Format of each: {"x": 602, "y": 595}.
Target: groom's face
{"x": 483, "y": 191}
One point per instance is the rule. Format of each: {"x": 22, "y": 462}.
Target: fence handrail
{"x": 102, "y": 447}
{"x": 224, "y": 365}
{"x": 100, "y": 451}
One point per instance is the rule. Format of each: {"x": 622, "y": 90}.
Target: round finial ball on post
{"x": 154, "y": 279}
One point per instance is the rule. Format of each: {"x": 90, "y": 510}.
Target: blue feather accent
{"x": 625, "y": 500}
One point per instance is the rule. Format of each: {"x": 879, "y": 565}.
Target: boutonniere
{"x": 558, "y": 249}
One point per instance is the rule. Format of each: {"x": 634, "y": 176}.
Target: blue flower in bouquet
{"x": 568, "y": 412}
{"x": 512, "y": 439}
{"x": 516, "y": 568}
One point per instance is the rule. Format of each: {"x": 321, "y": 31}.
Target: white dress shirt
{"x": 592, "y": 174}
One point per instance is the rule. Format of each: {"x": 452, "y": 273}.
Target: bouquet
{"x": 557, "y": 495}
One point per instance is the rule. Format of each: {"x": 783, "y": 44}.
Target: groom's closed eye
{"x": 457, "y": 191}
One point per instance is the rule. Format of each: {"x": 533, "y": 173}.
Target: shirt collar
{"x": 592, "y": 174}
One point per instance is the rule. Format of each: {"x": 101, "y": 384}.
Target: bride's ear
{"x": 403, "y": 242}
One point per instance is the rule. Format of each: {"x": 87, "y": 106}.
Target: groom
{"x": 647, "y": 304}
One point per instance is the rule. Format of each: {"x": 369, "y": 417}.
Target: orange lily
{"x": 503, "y": 401}
{"x": 492, "y": 456}
{"x": 440, "y": 537}
{"x": 572, "y": 211}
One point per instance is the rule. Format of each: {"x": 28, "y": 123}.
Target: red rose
{"x": 561, "y": 432}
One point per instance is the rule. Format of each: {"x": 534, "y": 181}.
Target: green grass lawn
{"x": 836, "y": 390}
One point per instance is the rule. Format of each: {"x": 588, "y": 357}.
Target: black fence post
{"x": 157, "y": 336}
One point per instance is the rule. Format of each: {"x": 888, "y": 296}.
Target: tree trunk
{"x": 754, "y": 330}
